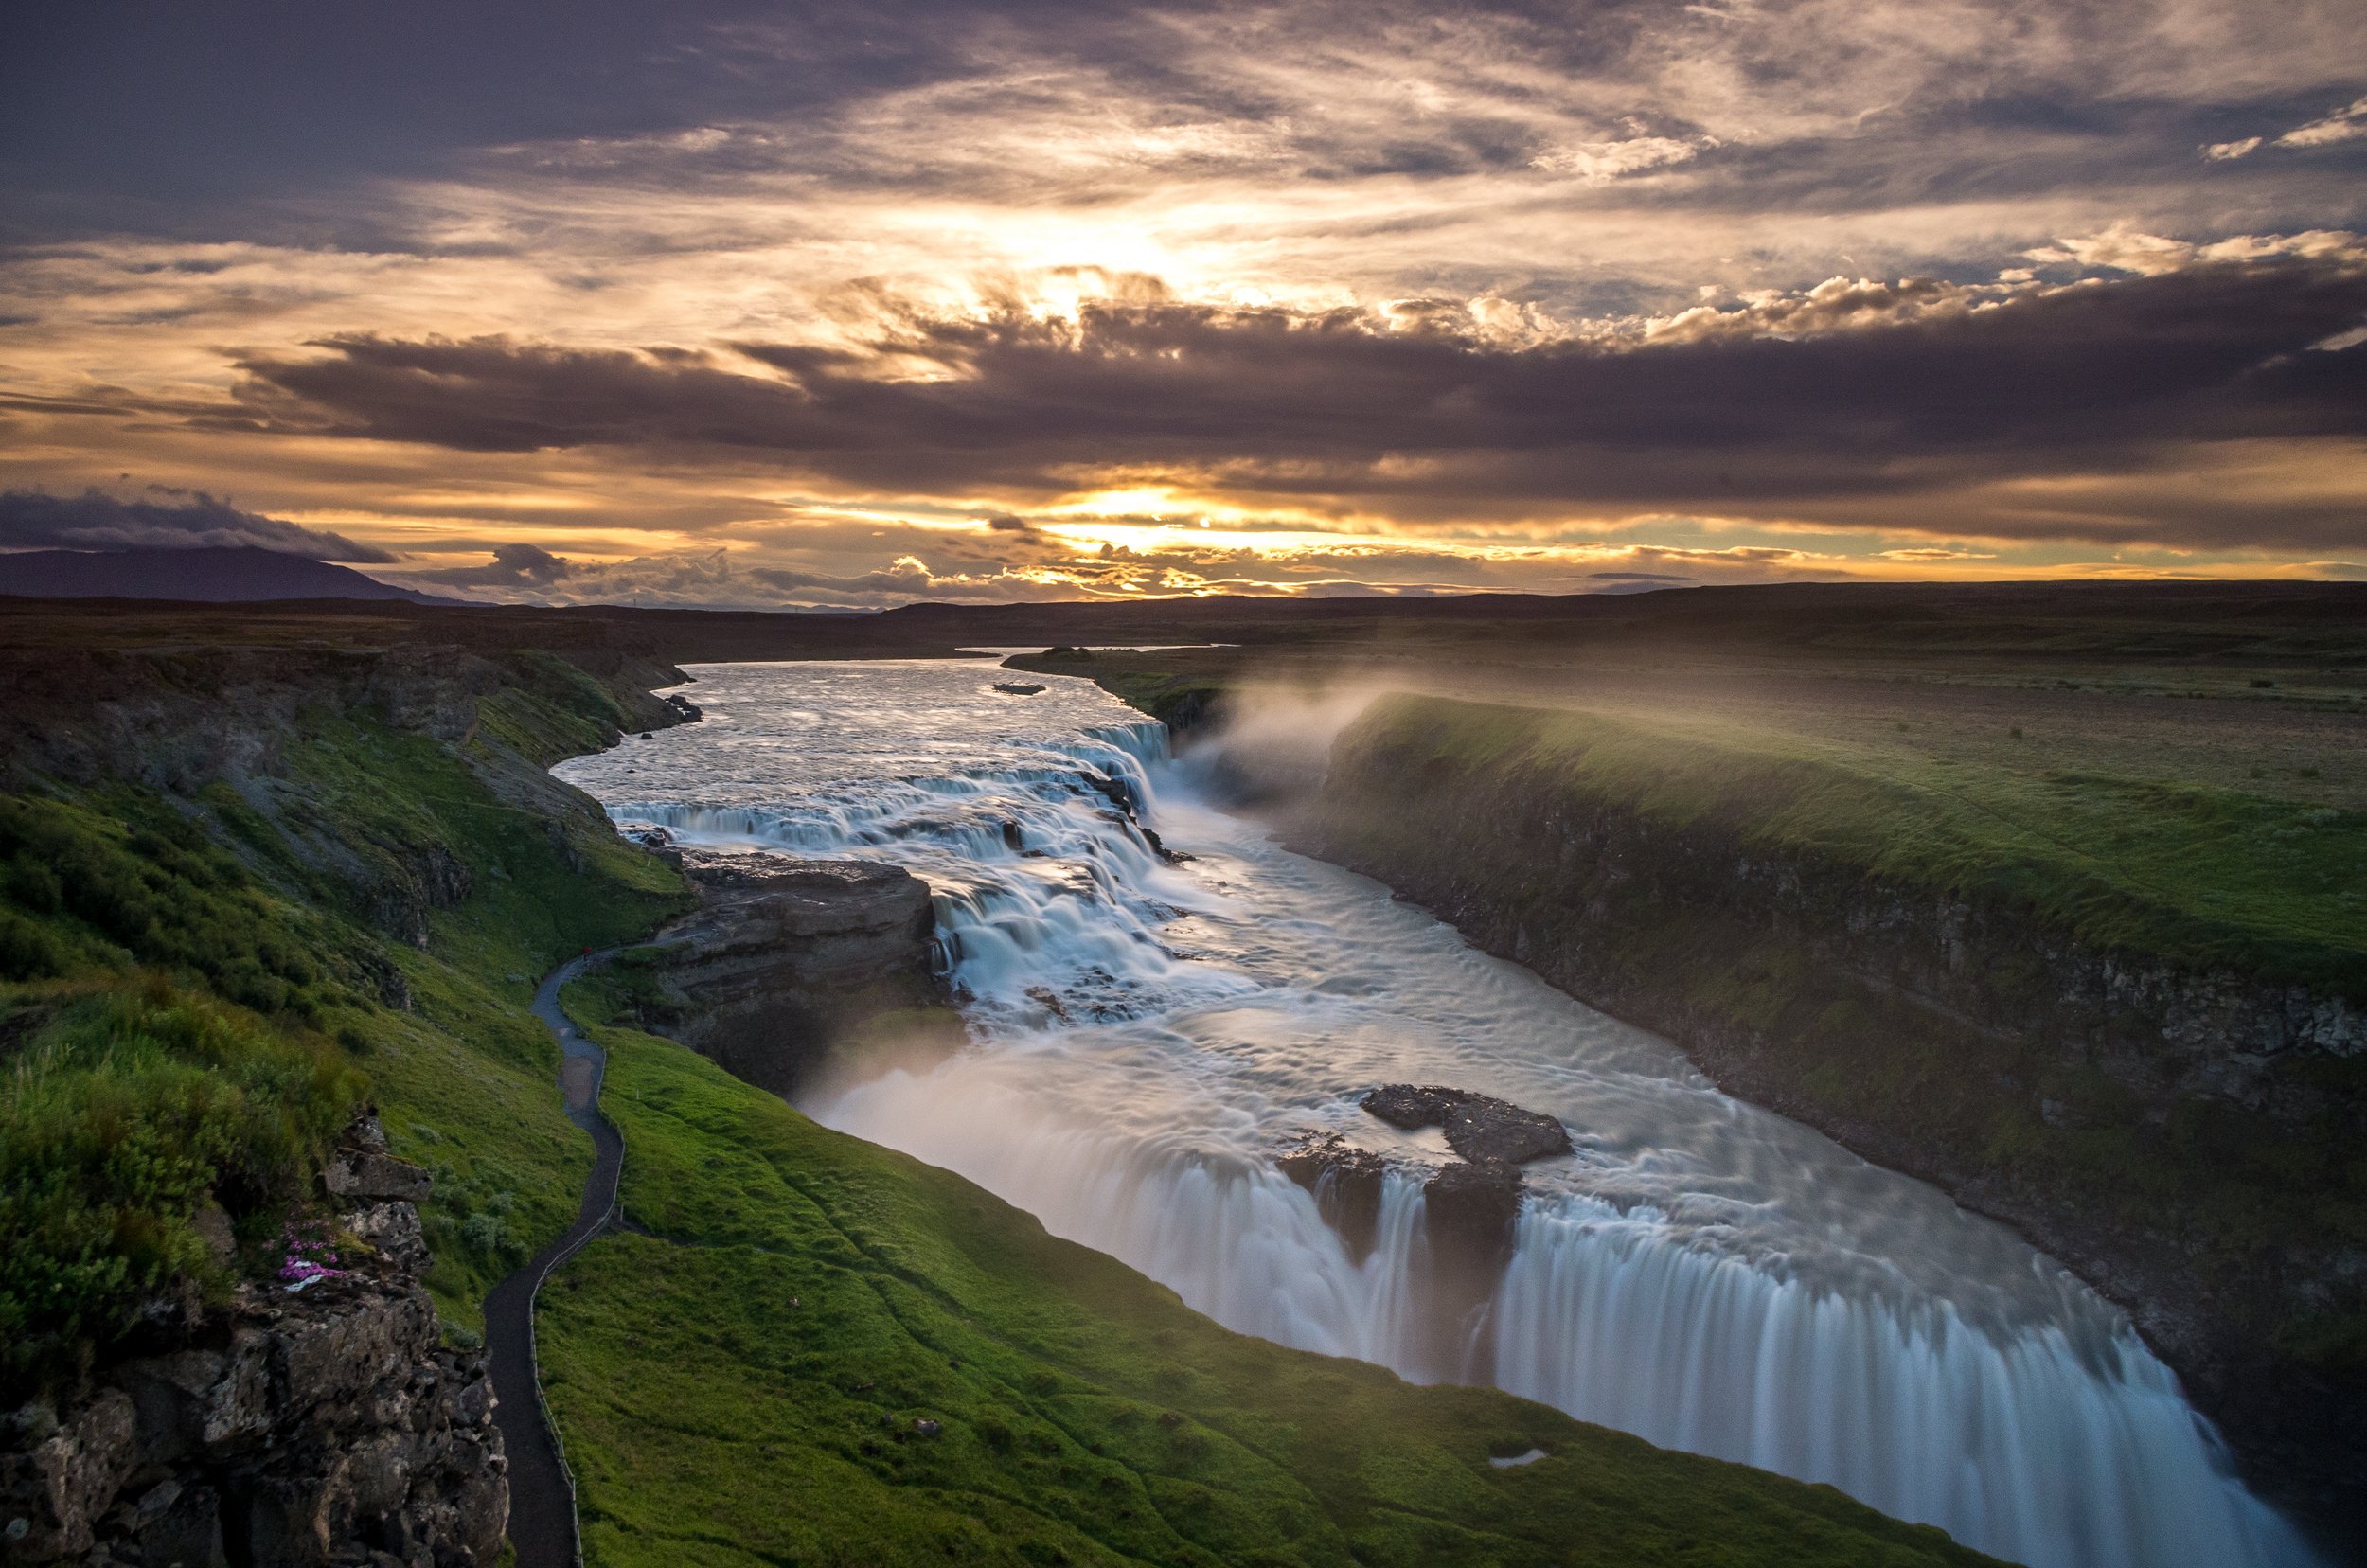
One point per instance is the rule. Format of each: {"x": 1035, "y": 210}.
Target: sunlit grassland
{"x": 2199, "y": 874}
{"x": 741, "y": 1384}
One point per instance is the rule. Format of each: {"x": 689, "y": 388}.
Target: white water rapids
{"x": 1707, "y": 1275}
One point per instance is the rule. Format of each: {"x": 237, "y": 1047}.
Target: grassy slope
{"x": 464, "y": 1083}
{"x": 741, "y": 1387}
{"x": 2201, "y": 876}
{"x": 197, "y": 977}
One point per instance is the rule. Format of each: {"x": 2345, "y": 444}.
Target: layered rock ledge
{"x": 1472, "y": 1201}
{"x": 1479, "y": 1127}
{"x": 787, "y": 961}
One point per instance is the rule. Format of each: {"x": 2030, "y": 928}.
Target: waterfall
{"x": 1700, "y": 1272}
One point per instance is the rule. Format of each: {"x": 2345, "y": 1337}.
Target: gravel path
{"x": 541, "y": 1494}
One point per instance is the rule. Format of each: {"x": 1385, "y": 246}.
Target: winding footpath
{"x": 542, "y": 1524}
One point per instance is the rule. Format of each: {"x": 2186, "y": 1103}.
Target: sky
{"x": 848, "y": 306}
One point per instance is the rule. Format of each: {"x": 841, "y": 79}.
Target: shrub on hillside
{"x": 126, "y": 1108}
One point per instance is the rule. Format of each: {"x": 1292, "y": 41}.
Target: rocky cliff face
{"x": 785, "y": 961}
{"x": 290, "y": 1429}
{"x": 1959, "y": 1042}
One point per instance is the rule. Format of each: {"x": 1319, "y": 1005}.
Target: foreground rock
{"x": 328, "y": 1426}
{"x": 787, "y": 961}
{"x": 1478, "y": 1127}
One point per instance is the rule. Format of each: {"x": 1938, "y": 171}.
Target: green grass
{"x": 1165, "y": 695}
{"x": 197, "y": 988}
{"x": 128, "y": 1106}
{"x": 2204, "y": 877}
{"x": 741, "y": 1387}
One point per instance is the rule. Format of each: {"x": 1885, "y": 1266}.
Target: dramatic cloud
{"x": 1601, "y": 162}
{"x": 98, "y": 520}
{"x": 514, "y": 566}
{"x": 1782, "y": 407}
{"x": 2341, "y": 126}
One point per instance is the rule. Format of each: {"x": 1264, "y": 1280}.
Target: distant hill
{"x": 210, "y": 576}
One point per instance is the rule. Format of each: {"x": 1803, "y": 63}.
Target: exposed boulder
{"x": 1347, "y": 1183}
{"x": 785, "y": 960}
{"x": 369, "y": 1175}
{"x": 1479, "y": 1127}
{"x": 55, "y": 1488}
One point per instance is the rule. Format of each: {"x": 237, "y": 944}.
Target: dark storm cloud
{"x": 1934, "y": 395}
{"x": 515, "y": 565}
{"x": 191, "y": 521}
{"x": 150, "y": 114}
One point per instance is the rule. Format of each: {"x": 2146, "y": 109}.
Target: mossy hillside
{"x": 1179, "y": 698}
{"x": 2206, "y": 878}
{"x": 738, "y": 1382}
{"x": 265, "y": 907}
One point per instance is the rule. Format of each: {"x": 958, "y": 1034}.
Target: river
{"x": 1147, "y": 1036}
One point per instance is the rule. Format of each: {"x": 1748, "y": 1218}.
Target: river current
{"x": 1145, "y": 1037}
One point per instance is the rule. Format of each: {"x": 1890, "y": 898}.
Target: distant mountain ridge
{"x": 214, "y": 577}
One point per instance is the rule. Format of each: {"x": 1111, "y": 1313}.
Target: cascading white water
{"x": 1702, "y": 1273}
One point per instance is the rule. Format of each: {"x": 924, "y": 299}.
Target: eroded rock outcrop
{"x": 1345, "y": 1182}
{"x": 1470, "y": 1204}
{"x": 328, "y": 1425}
{"x": 785, "y": 960}
{"x": 1479, "y": 1127}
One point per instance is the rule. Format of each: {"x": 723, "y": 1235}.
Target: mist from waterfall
{"x": 1145, "y": 1036}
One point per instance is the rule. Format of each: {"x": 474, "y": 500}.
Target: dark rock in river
{"x": 787, "y": 959}
{"x": 1345, "y": 1182}
{"x": 1173, "y": 857}
{"x": 331, "y": 1426}
{"x": 1478, "y": 1127}
{"x": 1472, "y": 1207}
